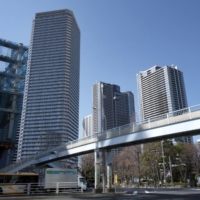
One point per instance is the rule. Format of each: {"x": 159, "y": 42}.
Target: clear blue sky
{"x": 119, "y": 38}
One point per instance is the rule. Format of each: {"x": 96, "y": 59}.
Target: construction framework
{"x": 12, "y": 81}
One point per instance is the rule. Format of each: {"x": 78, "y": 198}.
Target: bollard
{"x": 57, "y": 188}
{"x": 28, "y": 189}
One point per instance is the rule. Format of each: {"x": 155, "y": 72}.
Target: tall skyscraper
{"x": 111, "y": 108}
{"x": 87, "y": 126}
{"x": 161, "y": 90}
{"x": 51, "y": 100}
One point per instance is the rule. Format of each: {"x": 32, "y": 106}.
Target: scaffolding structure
{"x": 12, "y": 80}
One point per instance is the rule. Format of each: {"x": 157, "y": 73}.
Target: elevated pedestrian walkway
{"x": 178, "y": 123}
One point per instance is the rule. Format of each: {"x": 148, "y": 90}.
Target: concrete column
{"x": 109, "y": 169}
{"x": 97, "y": 169}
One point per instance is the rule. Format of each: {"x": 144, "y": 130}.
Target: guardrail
{"x": 157, "y": 121}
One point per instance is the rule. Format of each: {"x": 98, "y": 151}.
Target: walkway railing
{"x": 154, "y": 122}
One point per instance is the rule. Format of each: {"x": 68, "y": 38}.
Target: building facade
{"x": 111, "y": 108}
{"x": 51, "y": 99}
{"x": 161, "y": 90}
{"x": 87, "y": 126}
{"x": 13, "y": 59}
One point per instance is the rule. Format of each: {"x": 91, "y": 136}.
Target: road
{"x": 162, "y": 193}
{"x": 129, "y": 194}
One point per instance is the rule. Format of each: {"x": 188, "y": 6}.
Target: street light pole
{"x": 170, "y": 165}
{"x": 102, "y": 154}
{"x": 163, "y": 162}
{"x": 103, "y": 128}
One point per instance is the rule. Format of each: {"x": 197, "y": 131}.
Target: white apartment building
{"x": 161, "y": 90}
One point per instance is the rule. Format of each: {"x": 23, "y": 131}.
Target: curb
{"x": 53, "y": 196}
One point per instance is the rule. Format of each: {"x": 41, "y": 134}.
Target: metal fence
{"x": 35, "y": 188}
{"x": 126, "y": 187}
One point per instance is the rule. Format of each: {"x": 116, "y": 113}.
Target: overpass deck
{"x": 177, "y": 123}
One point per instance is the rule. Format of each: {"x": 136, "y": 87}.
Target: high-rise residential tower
{"x": 111, "y": 108}
{"x": 51, "y": 99}
{"x": 161, "y": 90}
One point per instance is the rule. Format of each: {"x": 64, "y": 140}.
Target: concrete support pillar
{"x": 12, "y": 116}
{"x": 109, "y": 172}
{"x": 109, "y": 169}
{"x": 103, "y": 170}
{"x": 8, "y": 157}
{"x": 97, "y": 169}
{"x": 37, "y": 169}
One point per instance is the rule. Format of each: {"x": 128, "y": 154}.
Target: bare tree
{"x": 87, "y": 166}
{"x": 151, "y": 160}
{"x": 187, "y": 160}
{"x": 197, "y": 159}
{"x": 127, "y": 164}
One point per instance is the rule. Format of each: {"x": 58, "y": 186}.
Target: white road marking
{"x": 135, "y": 192}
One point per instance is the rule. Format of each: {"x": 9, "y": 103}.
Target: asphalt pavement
{"x": 127, "y": 194}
